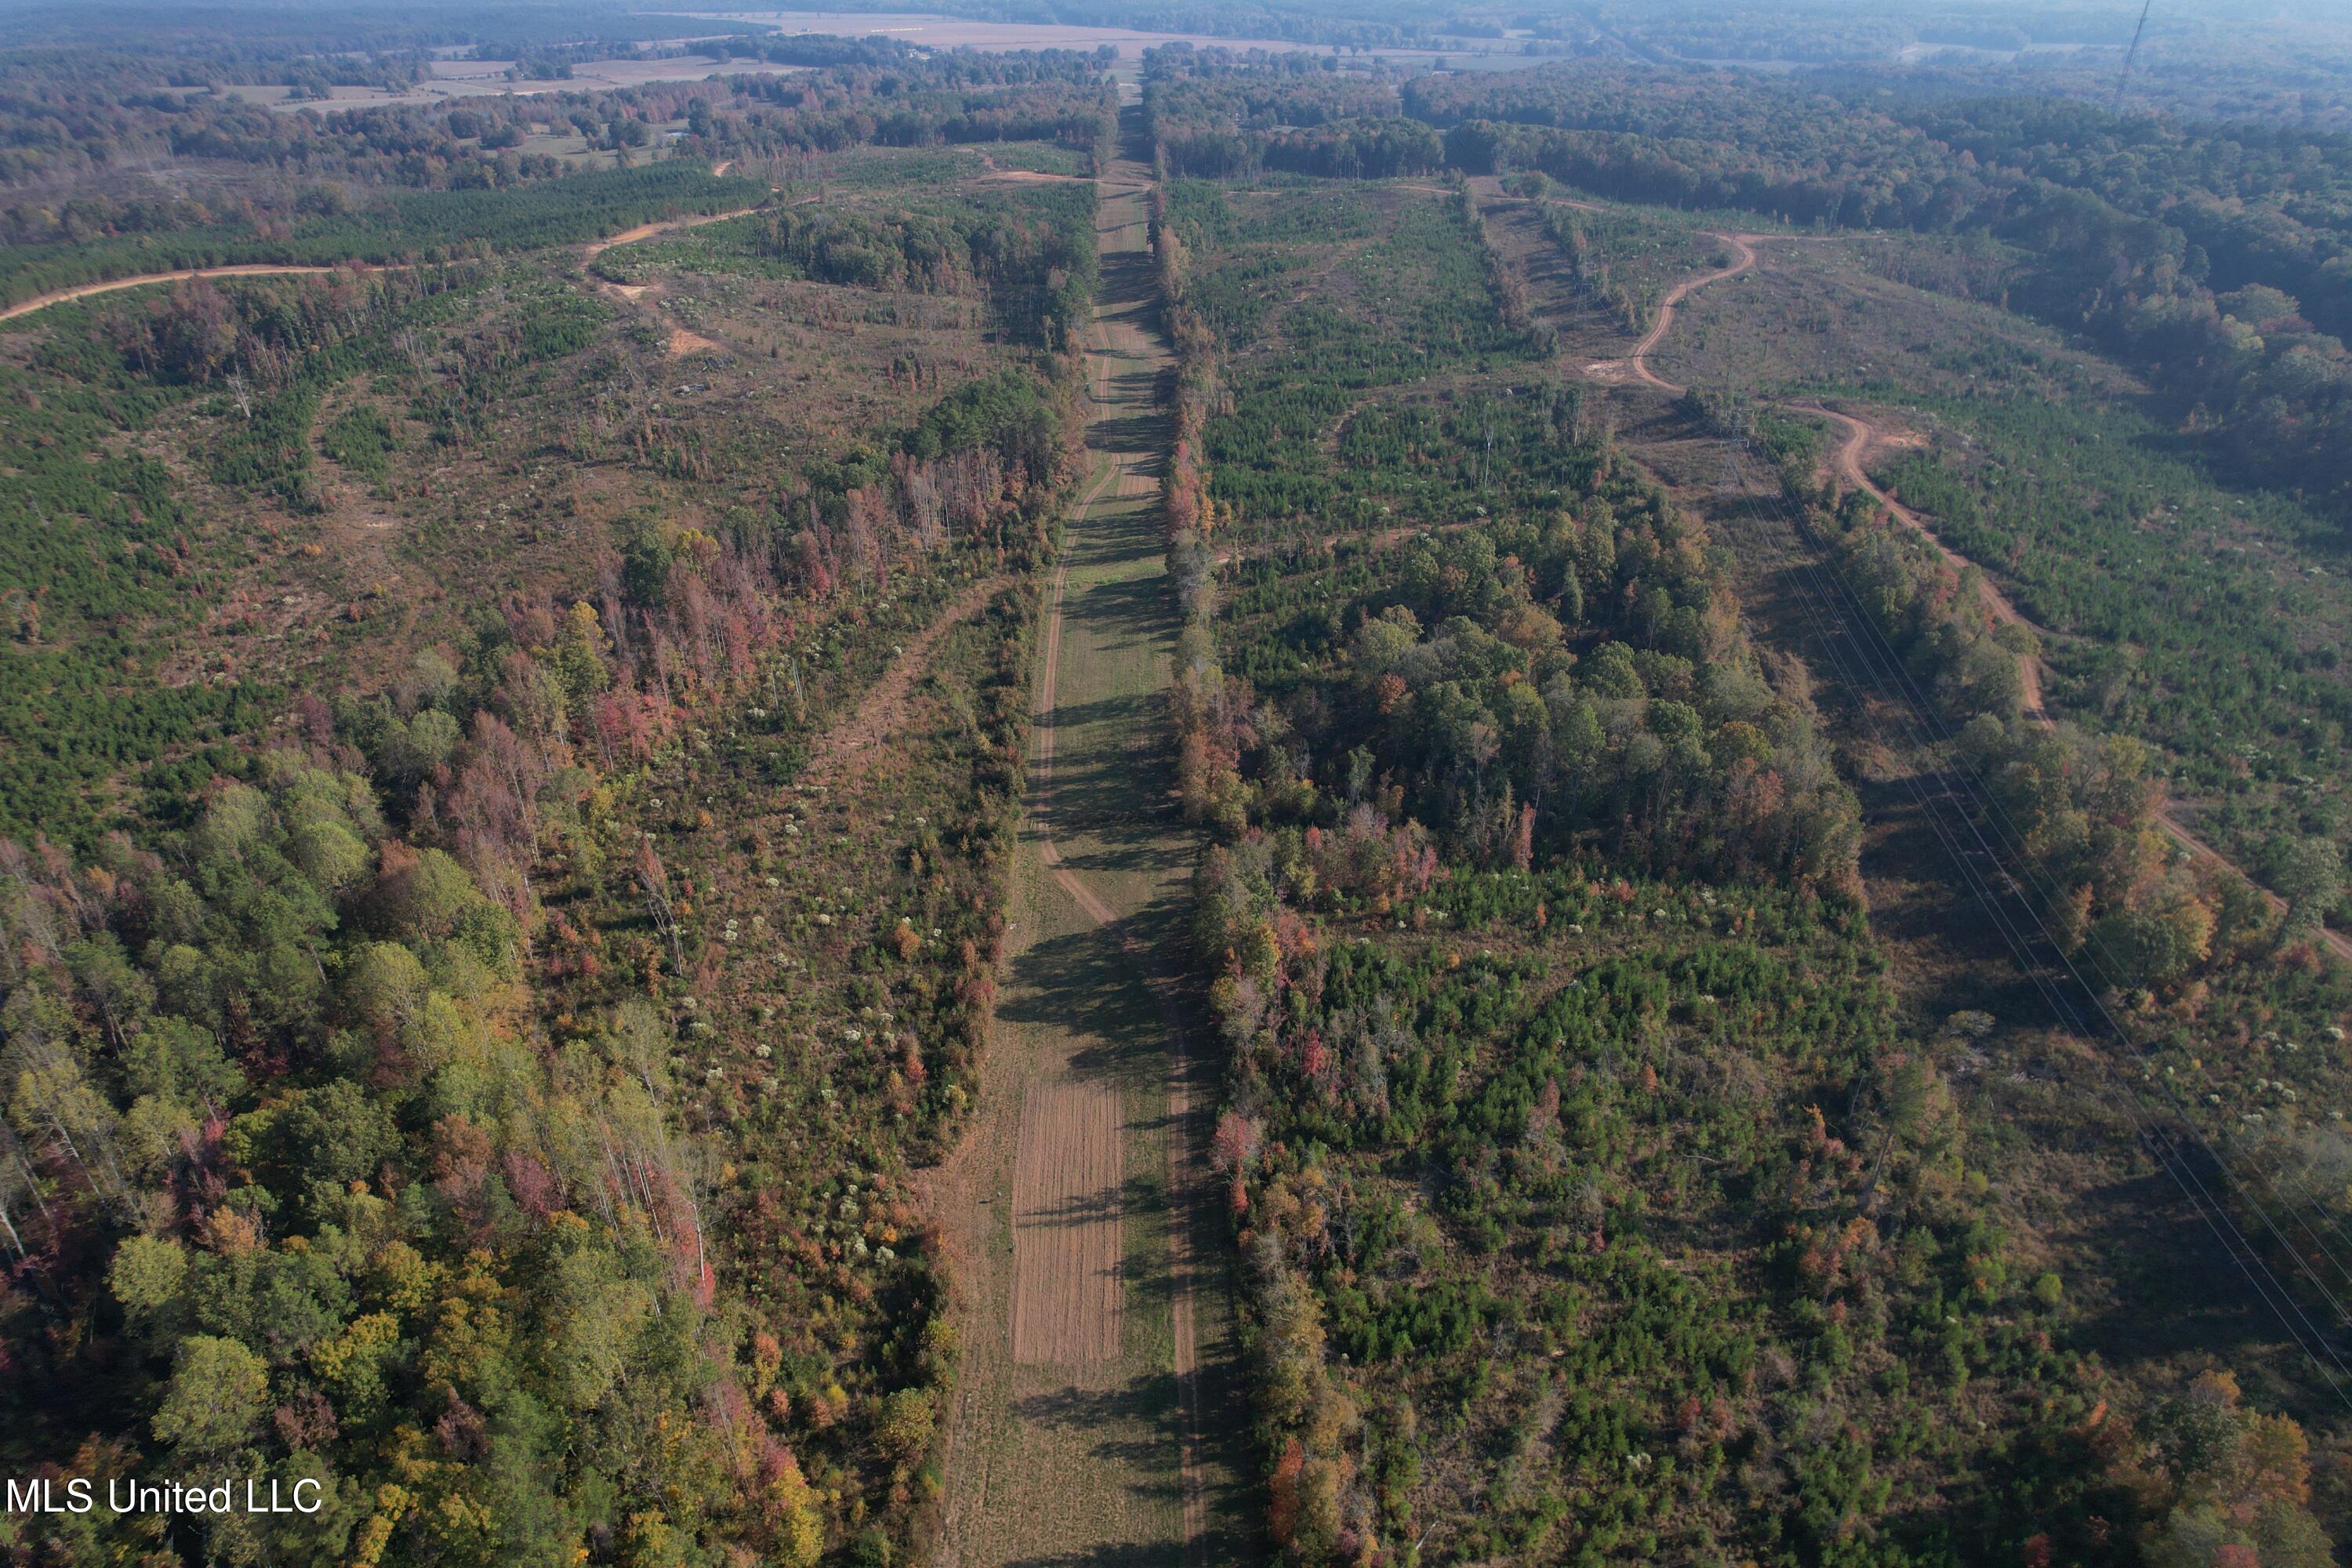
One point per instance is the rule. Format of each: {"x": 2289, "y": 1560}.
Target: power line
{"x": 2018, "y": 849}
{"x": 2130, "y": 55}
{"x": 1878, "y": 657}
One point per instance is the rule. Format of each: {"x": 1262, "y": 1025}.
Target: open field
{"x": 1081, "y": 1424}
{"x": 1068, "y": 1181}
{"x": 451, "y": 80}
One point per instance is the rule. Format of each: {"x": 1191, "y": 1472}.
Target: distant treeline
{"x": 2217, "y": 257}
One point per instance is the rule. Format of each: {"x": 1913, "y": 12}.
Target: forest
{"x": 1600, "y": 753}
{"x": 394, "y": 183}
{"x": 2213, "y": 256}
{"x": 1513, "y": 916}
{"x": 411, "y": 1086}
{"x": 2134, "y": 232}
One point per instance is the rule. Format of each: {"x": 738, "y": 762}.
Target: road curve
{"x": 666, "y": 226}
{"x": 1859, "y": 435}
{"x": 290, "y": 269}
{"x": 1743, "y": 258}
{"x": 1847, "y": 462}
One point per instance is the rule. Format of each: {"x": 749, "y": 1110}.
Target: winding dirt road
{"x": 289, "y": 270}
{"x": 1743, "y": 247}
{"x": 1847, "y": 462}
{"x": 1860, "y": 435}
{"x": 84, "y": 291}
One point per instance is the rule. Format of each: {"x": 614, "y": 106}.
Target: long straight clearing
{"x": 1093, "y": 1344}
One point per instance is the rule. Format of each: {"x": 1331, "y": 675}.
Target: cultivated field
{"x": 1068, "y": 1177}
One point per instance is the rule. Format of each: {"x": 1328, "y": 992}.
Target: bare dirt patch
{"x": 1065, "y": 1225}
{"x": 666, "y": 226}
{"x": 682, "y": 343}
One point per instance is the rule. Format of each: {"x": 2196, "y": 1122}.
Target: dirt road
{"x": 1860, "y": 435}
{"x": 145, "y": 279}
{"x": 275, "y": 269}
{"x": 1847, "y": 462}
{"x": 851, "y": 747}
{"x": 1743, "y": 248}
{"x": 667, "y": 226}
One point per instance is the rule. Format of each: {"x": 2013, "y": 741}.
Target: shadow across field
{"x": 1115, "y": 613}
{"x": 1134, "y": 1422}
{"x": 1087, "y": 984}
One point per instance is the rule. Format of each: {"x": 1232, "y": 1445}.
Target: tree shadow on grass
{"x": 1103, "y": 1202}
{"x": 1125, "y": 612}
{"x": 1141, "y": 435}
{"x": 2176, "y": 1291}
{"x": 1137, "y": 1423}
{"x": 1113, "y": 815}
{"x": 1087, "y": 985}
{"x": 1127, "y": 280}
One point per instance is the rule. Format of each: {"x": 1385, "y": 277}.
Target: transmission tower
{"x": 2130, "y": 55}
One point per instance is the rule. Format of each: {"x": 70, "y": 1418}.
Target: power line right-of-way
{"x": 1868, "y": 663}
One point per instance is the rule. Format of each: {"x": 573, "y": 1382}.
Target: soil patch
{"x": 1065, "y": 1225}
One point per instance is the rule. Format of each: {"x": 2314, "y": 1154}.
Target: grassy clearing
{"x": 1082, "y": 1461}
